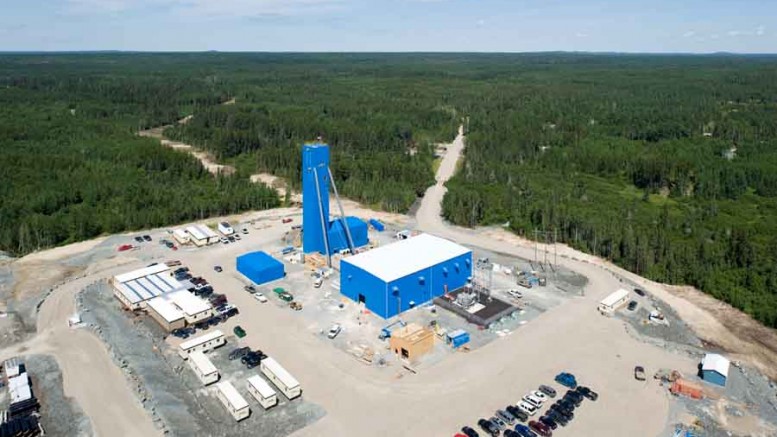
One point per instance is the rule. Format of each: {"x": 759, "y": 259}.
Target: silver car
{"x": 499, "y": 423}
{"x": 506, "y": 417}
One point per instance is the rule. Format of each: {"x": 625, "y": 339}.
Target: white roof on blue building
{"x": 717, "y": 363}
{"x": 406, "y": 257}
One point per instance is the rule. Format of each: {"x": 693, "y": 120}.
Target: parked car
{"x": 231, "y": 239}
{"x": 566, "y": 404}
{"x": 533, "y": 401}
{"x": 566, "y": 379}
{"x": 237, "y": 237}
{"x": 515, "y": 293}
{"x": 506, "y": 417}
{"x": 632, "y": 305}
{"x": 488, "y": 427}
{"x": 511, "y": 433}
{"x": 518, "y": 413}
{"x": 239, "y": 331}
{"x": 239, "y": 353}
{"x": 550, "y": 391}
{"x": 286, "y": 220}
{"x": 524, "y": 431}
{"x": 539, "y": 395}
{"x": 183, "y": 332}
{"x": 527, "y": 408}
{"x": 540, "y": 428}
{"x": 549, "y": 422}
{"x": 260, "y": 297}
{"x": 469, "y": 432}
{"x": 640, "y": 291}
{"x": 139, "y": 239}
{"x": 244, "y": 231}
{"x": 557, "y": 417}
{"x": 170, "y": 245}
{"x": 574, "y": 396}
{"x": 499, "y": 423}
{"x": 218, "y": 269}
{"x": 217, "y": 299}
{"x": 639, "y": 373}
{"x": 249, "y": 288}
{"x": 318, "y": 282}
{"x": 587, "y": 392}
{"x": 296, "y": 306}
{"x": 334, "y": 330}
{"x": 181, "y": 270}
{"x": 147, "y": 237}
{"x": 125, "y": 247}
{"x": 224, "y": 240}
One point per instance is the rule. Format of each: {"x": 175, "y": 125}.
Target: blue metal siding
{"x": 260, "y": 267}
{"x": 314, "y": 156}
{"x": 355, "y": 281}
{"x": 714, "y": 377}
{"x": 338, "y": 240}
{"x": 388, "y": 300}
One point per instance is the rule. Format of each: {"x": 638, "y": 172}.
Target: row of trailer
{"x": 194, "y": 352}
{"x": 201, "y": 235}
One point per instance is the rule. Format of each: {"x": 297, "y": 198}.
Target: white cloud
{"x": 760, "y": 30}
{"x": 481, "y": 22}
{"x": 581, "y": 35}
{"x": 689, "y": 34}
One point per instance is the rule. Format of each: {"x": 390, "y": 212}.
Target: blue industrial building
{"x": 714, "y": 369}
{"x": 260, "y": 267}
{"x": 394, "y": 278}
{"x": 320, "y": 233}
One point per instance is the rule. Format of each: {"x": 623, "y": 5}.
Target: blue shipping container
{"x": 458, "y": 337}
{"x": 260, "y": 267}
{"x": 377, "y": 225}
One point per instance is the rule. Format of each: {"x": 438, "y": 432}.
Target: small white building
{"x": 203, "y": 367}
{"x": 166, "y": 314}
{"x": 19, "y": 388}
{"x": 232, "y": 400}
{"x": 262, "y": 392}
{"x": 714, "y": 369}
{"x": 282, "y": 379}
{"x": 203, "y": 343}
{"x": 181, "y": 236}
{"x": 196, "y": 236}
{"x": 226, "y": 229}
{"x": 212, "y": 237}
{"x": 611, "y": 303}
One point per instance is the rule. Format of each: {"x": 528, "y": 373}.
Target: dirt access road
{"x": 713, "y": 321}
{"x": 89, "y": 374}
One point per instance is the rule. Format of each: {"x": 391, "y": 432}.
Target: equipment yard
{"x": 351, "y": 382}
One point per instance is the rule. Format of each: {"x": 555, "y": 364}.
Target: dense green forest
{"x": 667, "y": 165}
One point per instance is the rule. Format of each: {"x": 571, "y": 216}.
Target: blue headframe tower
{"x": 319, "y": 233}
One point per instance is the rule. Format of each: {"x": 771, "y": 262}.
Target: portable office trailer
{"x": 196, "y": 236}
{"x": 211, "y": 237}
{"x": 457, "y": 338}
{"x": 232, "y": 400}
{"x": 281, "y": 378}
{"x": 609, "y": 304}
{"x": 262, "y": 392}
{"x": 203, "y": 368}
{"x": 181, "y": 236}
{"x": 203, "y": 343}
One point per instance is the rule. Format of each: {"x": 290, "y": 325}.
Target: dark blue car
{"x": 524, "y": 431}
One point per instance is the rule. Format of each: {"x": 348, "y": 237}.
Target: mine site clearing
{"x": 373, "y": 327}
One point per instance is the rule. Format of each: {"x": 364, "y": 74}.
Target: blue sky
{"x": 745, "y": 26}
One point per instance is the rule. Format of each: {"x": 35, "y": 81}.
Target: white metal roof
{"x": 135, "y": 274}
{"x": 188, "y": 344}
{"x": 717, "y": 363}
{"x": 202, "y": 362}
{"x": 166, "y": 309}
{"x": 180, "y": 233}
{"x": 615, "y": 297}
{"x": 187, "y": 302}
{"x": 11, "y": 367}
{"x": 261, "y": 386}
{"x": 196, "y": 233}
{"x": 405, "y": 257}
{"x": 19, "y": 388}
{"x": 233, "y": 397}
{"x": 282, "y": 374}
{"x": 207, "y": 231}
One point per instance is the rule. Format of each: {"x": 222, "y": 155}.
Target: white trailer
{"x": 203, "y": 368}
{"x": 196, "y": 236}
{"x": 262, "y": 392}
{"x": 181, "y": 236}
{"x": 226, "y": 229}
{"x": 232, "y": 400}
{"x": 282, "y": 379}
{"x": 210, "y": 235}
{"x": 203, "y": 343}
{"x": 611, "y": 303}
